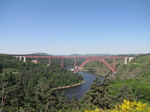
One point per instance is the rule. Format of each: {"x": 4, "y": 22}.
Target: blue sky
{"x": 75, "y": 26}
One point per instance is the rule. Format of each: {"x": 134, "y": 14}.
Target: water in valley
{"x": 80, "y": 90}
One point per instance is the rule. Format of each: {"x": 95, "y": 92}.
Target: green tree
{"x": 94, "y": 95}
{"x": 45, "y": 97}
{"x": 125, "y": 93}
{"x": 11, "y": 92}
{"x": 64, "y": 102}
{"x": 86, "y": 101}
{"x": 108, "y": 100}
{"x": 99, "y": 94}
{"x": 75, "y": 102}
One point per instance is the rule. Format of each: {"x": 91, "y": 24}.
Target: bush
{"x": 128, "y": 106}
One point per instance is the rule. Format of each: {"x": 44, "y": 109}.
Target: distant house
{"x": 34, "y": 61}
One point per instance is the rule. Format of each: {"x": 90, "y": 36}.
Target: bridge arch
{"x": 89, "y": 60}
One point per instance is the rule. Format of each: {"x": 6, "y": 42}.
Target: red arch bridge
{"x": 87, "y": 60}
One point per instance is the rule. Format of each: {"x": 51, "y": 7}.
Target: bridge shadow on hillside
{"x": 111, "y": 72}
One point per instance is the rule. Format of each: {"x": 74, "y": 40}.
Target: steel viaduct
{"x": 88, "y": 59}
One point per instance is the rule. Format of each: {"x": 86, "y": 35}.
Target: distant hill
{"x": 90, "y": 55}
{"x": 97, "y": 54}
{"x": 35, "y": 54}
{"x": 108, "y": 54}
{"x": 46, "y": 54}
{"x": 94, "y": 55}
{"x": 39, "y": 54}
{"x": 76, "y": 55}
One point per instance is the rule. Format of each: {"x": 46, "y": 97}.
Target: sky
{"x": 61, "y": 27}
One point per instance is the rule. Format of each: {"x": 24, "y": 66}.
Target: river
{"x": 80, "y": 90}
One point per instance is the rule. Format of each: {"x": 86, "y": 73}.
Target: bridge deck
{"x": 91, "y": 57}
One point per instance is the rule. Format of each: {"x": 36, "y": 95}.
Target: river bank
{"x": 93, "y": 72}
{"x": 70, "y": 86}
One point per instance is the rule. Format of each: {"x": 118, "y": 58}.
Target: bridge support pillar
{"x": 74, "y": 64}
{"x": 62, "y": 62}
{"x": 20, "y": 58}
{"x": 49, "y": 61}
{"x": 126, "y": 60}
{"x": 36, "y": 59}
{"x": 114, "y": 64}
{"x": 24, "y": 59}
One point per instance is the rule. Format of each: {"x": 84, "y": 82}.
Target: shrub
{"x": 128, "y": 106}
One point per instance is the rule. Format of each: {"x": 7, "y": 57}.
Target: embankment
{"x": 70, "y": 86}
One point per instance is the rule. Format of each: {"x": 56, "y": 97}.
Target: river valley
{"x": 80, "y": 90}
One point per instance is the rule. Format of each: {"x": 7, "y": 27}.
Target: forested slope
{"x": 100, "y": 68}
{"x": 56, "y": 75}
{"x": 131, "y": 82}
{"x": 138, "y": 67}
{"x": 30, "y": 86}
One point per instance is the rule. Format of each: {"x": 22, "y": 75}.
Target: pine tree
{"x": 108, "y": 100}
{"x": 45, "y": 97}
{"x": 12, "y": 92}
{"x": 64, "y": 102}
{"x": 125, "y": 93}
{"x": 75, "y": 102}
{"x": 99, "y": 94}
{"x": 94, "y": 95}
{"x": 96, "y": 92}
{"x": 86, "y": 101}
